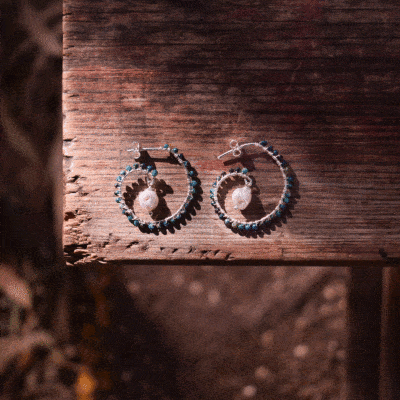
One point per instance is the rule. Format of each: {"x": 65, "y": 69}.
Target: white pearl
{"x": 241, "y": 198}
{"x": 148, "y": 199}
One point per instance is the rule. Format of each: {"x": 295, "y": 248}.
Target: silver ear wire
{"x": 137, "y": 149}
{"x": 236, "y": 148}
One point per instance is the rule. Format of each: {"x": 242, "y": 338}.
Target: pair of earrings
{"x": 241, "y": 197}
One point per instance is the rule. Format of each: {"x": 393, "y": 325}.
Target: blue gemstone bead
{"x": 211, "y": 196}
{"x": 214, "y": 184}
{"x": 143, "y": 166}
{"x": 240, "y": 227}
{"x": 223, "y": 173}
{"x": 221, "y": 216}
{"x": 151, "y": 226}
{"x": 194, "y": 183}
{"x": 286, "y": 199}
{"x": 245, "y": 171}
{"x": 118, "y": 185}
{"x": 193, "y": 191}
{"x": 238, "y": 169}
{"x": 282, "y": 207}
{"x": 129, "y": 168}
{"x": 187, "y": 165}
{"x": 180, "y": 156}
{"x": 263, "y": 143}
{"x": 179, "y": 216}
{"x": 119, "y": 178}
{"x": 270, "y": 148}
{"x": 136, "y": 222}
{"x": 284, "y": 163}
{"x": 124, "y": 212}
{"x": 154, "y": 172}
{"x": 166, "y": 146}
{"x": 290, "y": 179}
{"x": 275, "y": 153}
{"x": 287, "y": 194}
{"x": 136, "y": 166}
{"x": 289, "y": 185}
{"x": 130, "y": 218}
{"x": 227, "y": 221}
{"x": 174, "y": 150}
{"x": 149, "y": 168}
{"x": 118, "y": 199}
{"x": 123, "y": 172}
{"x": 254, "y": 227}
{"x": 213, "y": 203}
{"x": 165, "y": 224}
{"x": 247, "y": 227}
{"x": 231, "y": 170}
{"x": 191, "y": 173}
{"x": 117, "y": 193}
{"x": 278, "y": 214}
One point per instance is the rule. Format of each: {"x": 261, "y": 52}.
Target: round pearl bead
{"x": 241, "y": 198}
{"x": 148, "y": 199}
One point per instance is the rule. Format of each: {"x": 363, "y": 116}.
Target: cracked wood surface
{"x": 318, "y": 80}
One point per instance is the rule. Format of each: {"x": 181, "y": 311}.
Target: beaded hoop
{"x": 243, "y": 196}
{"x": 151, "y": 173}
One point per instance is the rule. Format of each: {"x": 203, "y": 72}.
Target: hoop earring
{"x": 148, "y": 198}
{"x": 241, "y": 197}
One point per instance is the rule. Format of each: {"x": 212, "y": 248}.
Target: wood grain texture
{"x": 318, "y": 80}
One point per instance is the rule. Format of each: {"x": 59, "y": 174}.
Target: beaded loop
{"x": 151, "y": 173}
{"x": 280, "y": 208}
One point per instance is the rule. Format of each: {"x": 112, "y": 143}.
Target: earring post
{"x": 145, "y": 148}
{"x": 152, "y": 148}
{"x": 137, "y": 149}
{"x": 236, "y": 149}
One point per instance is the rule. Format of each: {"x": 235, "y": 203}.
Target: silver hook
{"x": 137, "y": 149}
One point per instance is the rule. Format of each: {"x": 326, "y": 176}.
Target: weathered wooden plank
{"x": 319, "y": 81}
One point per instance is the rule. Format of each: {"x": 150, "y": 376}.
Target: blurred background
{"x": 70, "y": 330}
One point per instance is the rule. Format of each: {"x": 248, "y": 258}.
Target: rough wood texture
{"x": 318, "y": 79}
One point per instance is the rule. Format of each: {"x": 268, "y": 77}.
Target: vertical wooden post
{"x": 390, "y": 354}
{"x": 364, "y": 308}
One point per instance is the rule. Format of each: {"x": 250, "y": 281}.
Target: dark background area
{"x": 151, "y": 332}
